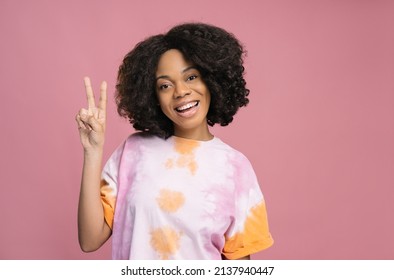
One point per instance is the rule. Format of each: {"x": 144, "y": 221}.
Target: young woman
{"x": 172, "y": 190}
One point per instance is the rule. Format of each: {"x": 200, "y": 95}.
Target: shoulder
{"x": 234, "y": 154}
{"x": 141, "y": 138}
{"x": 239, "y": 161}
{"x": 142, "y": 142}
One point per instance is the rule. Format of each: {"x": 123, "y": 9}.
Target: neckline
{"x": 187, "y": 140}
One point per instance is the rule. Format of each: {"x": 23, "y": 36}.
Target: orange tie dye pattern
{"x": 108, "y": 201}
{"x": 186, "y": 158}
{"x": 170, "y": 201}
{"x": 165, "y": 241}
{"x": 250, "y": 237}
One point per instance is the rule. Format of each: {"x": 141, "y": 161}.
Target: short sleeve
{"x": 249, "y": 231}
{"x": 109, "y": 184}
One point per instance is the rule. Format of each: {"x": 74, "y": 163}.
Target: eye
{"x": 192, "y": 77}
{"x": 164, "y": 86}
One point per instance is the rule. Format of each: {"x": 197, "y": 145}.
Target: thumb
{"x": 93, "y": 123}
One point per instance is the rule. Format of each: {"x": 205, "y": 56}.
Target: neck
{"x": 200, "y": 134}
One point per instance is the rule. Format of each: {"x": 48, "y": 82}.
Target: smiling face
{"x": 183, "y": 96}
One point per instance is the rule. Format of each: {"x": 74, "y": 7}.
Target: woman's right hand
{"x": 93, "y": 231}
{"x": 91, "y": 121}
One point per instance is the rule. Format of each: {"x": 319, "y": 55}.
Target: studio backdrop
{"x": 319, "y": 129}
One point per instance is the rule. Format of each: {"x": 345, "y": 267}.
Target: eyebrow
{"x": 183, "y": 71}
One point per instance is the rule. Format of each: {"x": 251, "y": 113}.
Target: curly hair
{"x": 216, "y": 53}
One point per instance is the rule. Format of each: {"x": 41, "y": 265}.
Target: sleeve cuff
{"x": 250, "y": 249}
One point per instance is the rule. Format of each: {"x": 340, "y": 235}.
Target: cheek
{"x": 203, "y": 90}
{"x": 165, "y": 107}
{"x": 162, "y": 100}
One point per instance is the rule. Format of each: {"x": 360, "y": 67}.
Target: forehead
{"x": 172, "y": 61}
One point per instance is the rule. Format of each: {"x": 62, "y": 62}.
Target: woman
{"x": 173, "y": 190}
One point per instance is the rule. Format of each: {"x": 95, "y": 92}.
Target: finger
{"x": 90, "y": 121}
{"x": 84, "y": 112}
{"x": 89, "y": 93}
{"x": 84, "y": 115}
{"x": 80, "y": 123}
{"x": 103, "y": 96}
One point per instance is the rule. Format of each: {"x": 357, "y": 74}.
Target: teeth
{"x": 186, "y": 106}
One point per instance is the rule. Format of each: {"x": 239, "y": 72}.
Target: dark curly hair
{"x": 217, "y": 54}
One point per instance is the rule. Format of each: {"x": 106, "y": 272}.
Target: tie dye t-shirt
{"x": 182, "y": 199}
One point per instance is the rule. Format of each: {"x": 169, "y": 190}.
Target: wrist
{"x": 96, "y": 152}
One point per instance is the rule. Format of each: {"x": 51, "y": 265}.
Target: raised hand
{"x": 91, "y": 121}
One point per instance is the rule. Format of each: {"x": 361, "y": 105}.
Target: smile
{"x": 186, "y": 107}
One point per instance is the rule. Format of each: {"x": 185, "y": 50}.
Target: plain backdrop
{"x": 319, "y": 129}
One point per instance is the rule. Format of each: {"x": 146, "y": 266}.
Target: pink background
{"x": 319, "y": 129}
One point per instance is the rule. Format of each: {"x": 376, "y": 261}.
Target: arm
{"x": 93, "y": 231}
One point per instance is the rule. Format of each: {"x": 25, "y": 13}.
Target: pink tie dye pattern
{"x": 181, "y": 199}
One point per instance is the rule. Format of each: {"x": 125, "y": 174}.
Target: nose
{"x": 181, "y": 90}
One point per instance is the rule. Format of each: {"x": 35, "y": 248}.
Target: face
{"x": 183, "y": 96}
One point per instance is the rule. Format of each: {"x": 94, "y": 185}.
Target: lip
{"x": 190, "y": 112}
{"x": 184, "y": 103}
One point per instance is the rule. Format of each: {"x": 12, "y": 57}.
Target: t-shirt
{"x": 179, "y": 198}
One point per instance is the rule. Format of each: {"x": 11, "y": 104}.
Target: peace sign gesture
{"x": 91, "y": 121}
